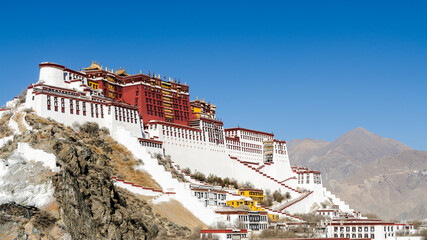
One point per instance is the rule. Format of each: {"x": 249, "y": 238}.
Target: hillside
{"x": 300, "y": 149}
{"x": 342, "y": 157}
{"x": 64, "y": 176}
{"x": 394, "y": 187}
{"x": 371, "y": 173}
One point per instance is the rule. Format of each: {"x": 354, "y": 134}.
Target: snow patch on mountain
{"x": 23, "y": 177}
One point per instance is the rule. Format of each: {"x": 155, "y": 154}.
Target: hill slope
{"x": 71, "y": 171}
{"x": 342, "y": 157}
{"x": 371, "y": 173}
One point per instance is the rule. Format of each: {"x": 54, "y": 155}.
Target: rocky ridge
{"x": 89, "y": 205}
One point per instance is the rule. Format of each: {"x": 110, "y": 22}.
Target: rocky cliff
{"x": 88, "y": 205}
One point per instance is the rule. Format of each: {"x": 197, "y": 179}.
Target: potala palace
{"x": 151, "y": 115}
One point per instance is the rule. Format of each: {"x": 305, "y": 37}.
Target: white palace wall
{"x": 211, "y": 158}
{"x": 39, "y": 103}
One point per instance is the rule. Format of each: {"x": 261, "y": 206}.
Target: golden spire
{"x": 93, "y": 66}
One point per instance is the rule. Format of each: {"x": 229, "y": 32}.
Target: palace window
{"x": 96, "y": 110}
{"x": 71, "y": 107}
{"x": 127, "y": 115}
{"x": 62, "y": 105}
{"x": 48, "y": 103}
{"x": 77, "y": 107}
{"x": 91, "y": 109}
{"x": 84, "y": 108}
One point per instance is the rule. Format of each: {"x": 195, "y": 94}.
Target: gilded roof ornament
{"x": 93, "y": 66}
{"x": 122, "y": 72}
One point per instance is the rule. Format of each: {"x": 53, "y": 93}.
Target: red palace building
{"x": 167, "y": 101}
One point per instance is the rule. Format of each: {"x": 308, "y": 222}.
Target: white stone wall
{"x": 38, "y": 102}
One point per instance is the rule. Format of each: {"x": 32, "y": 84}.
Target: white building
{"x": 210, "y": 195}
{"x": 239, "y": 218}
{"x": 362, "y": 229}
{"x": 63, "y": 95}
{"x": 224, "y": 234}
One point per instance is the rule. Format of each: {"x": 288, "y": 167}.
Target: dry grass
{"x": 122, "y": 160}
{"x": 5, "y": 130}
{"x": 175, "y": 212}
{"x": 18, "y": 119}
{"x": 123, "y": 164}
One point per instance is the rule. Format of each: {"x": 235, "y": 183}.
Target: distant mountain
{"x": 304, "y": 148}
{"x": 342, "y": 157}
{"x": 371, "y": 173}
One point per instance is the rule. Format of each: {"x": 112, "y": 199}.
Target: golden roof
{"x": 94, "y": 66}
{"x": 121, "y": 72}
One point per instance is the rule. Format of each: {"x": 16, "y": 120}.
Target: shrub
{"x": 267, "y": 202}
{"x": 5, "y": 130}
{"x": 90, "y": 128}
{"x": 199, "y": 176}
{"x": 186, "y": 171}
{"x": 277, "y": 196}
{"x": 105, "y": 131}
{"x": 248, "y": 185}
{"x": 214, "y": 180}
{"x": 311, "y": 217}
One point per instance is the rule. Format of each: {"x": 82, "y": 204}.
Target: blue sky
{"x": 296, "y": 68}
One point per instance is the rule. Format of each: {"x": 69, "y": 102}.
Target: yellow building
{"x": 255, "y": 194}
{"x": 253, "y": 206}
{"x": 249, "y": 203}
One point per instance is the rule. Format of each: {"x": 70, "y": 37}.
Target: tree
{"x": 277, "y": 196}
{"x": 186, "y": 171}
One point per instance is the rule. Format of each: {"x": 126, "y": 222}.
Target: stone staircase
{"x": 282, "y": 207}
{"x": 272, "y": 211}
{"x": 342, "y": 205}
{"x": 265, "y": 175}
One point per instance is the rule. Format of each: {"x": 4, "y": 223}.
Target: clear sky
{"x": 296, "y": 68}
